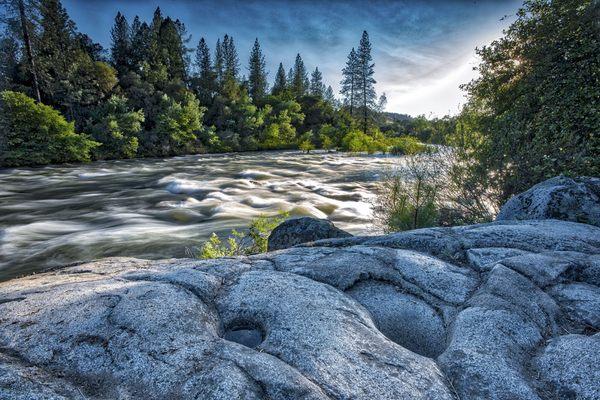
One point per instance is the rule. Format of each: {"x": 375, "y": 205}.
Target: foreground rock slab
{"x": 506, "y": 310}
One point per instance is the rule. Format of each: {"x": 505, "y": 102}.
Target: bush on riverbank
{"x": 35, "y": 134}
{"x": 238, "y": 243}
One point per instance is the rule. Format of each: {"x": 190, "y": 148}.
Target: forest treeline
{"x": 65, "y": 98}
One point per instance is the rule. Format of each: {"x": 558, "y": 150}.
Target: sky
{"x": 422, "y": 50}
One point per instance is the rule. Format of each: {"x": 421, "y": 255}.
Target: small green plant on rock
{"x": 240, "y": 243}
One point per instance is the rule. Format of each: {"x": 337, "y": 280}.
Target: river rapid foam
{"x": 157, "y": 208}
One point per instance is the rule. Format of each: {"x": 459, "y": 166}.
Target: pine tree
{"x": 205, "y": 82}
{"x": 349, "y": 81}
{"x": 316, "y": 83}
{"x": 10, "y": 56}
{"x": 280, "y": 84}
{"x": 56, "y": 52}
{"x": 25, "y": 21}
{"x": 230, "y": 57}
{"x": 172, "y": 50}
{"x": 121, "y": 44}
{"x": 257, "y": 79}
{"x": 382, "y": 103}
{"x": 290, "y": 77}
{"x": 140, "y": 42}
{"x": 365, "y": 71}
{"x": 219, "y": 61}
{"x": 299, "y": 82}
{"x": 329, "y": 96}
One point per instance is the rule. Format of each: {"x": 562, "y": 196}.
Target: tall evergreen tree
{"x": 349, "y": 81}
{"x": 56, "y": 52}
{"x": 316, "y": 83}
{"x": 329, "y": 96}
{"x": 230, "y": 58}
{"x": 172, "y": 49}
{"x": 366, "y": 82}
{"x": 257, "y": 78}
{"x": 25, "y": 22}
{"x": 140, "y": 43}
{"x": 205, "y": 82}
{"x": 300, "y": 83}
{"x": 280, "y": 84}
{"x": 120, "y": 49}
{"x": 290, "y": 77}
{"x": 219, "y": 61}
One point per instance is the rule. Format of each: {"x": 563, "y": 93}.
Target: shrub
{"x": 409, "y": 198}
{"x": 117, "y": 127}
{"x": 35, "y": 134}
{"x": 406, "y": 145}
{"x": 239, "y": 243}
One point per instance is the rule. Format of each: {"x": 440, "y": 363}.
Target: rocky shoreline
{"x": 505, "y": 310}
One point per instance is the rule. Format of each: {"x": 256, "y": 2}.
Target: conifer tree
{"x": 219, "y": 61}
{"x": 366, "y": 82}
{"x": 316, "y": 83}
{"x": 172, "y": 50}
{"x": 299, "y": 84}
{"x": 140, "y": 42}
{"x": 231, "y": 62}
{"x": 23, "y": 17}
{"x": 56, "y": 51}
{"x": 280, "y": 84}
{"x": 329, "y": 96}
{"x": 257, "y": 78}
{"x": 349, "y": 81}
{"x": 205, "y": 83}
{"x": 121, "y": 44}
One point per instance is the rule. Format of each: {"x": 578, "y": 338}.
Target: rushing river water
{"x": 157, "y": 208}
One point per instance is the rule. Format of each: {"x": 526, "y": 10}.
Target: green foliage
{"x": 533, "y": 112}
{"x": 305, "y": 142}
{"x": 255, "y": 241}
{"x": 410, "y": 198}
{"x": 117, "y": 127}
{"x": 33, "y": 133}
{"x": 357, "y": 141}
{"x": 405, "y": 145}
{"x": 216, "y": 248}
{"x": 177, "y": 124}
{"x": 260, "y": 229}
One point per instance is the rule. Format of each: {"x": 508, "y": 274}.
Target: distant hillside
{"x": 395, "y": 117}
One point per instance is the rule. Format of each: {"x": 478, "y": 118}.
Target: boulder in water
{"x": 302, "y": 230}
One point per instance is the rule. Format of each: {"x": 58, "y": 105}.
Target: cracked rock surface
{"x": 506, "y": 310}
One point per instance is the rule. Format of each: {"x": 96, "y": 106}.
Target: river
{"x": 158, "y": 208}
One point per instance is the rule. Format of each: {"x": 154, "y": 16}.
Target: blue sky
{"x": 423, "y": 50}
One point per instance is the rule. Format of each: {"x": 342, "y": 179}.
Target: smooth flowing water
{"x": 158, "y": 208}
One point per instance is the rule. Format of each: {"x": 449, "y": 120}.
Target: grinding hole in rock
{"x": 403, "y": 318}
{"x": 245, "y": 334}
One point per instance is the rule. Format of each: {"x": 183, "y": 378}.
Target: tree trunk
{"x": 364, "y": 105}
{"x": 27, "y": 41}
{"x": 352, "y": 97}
